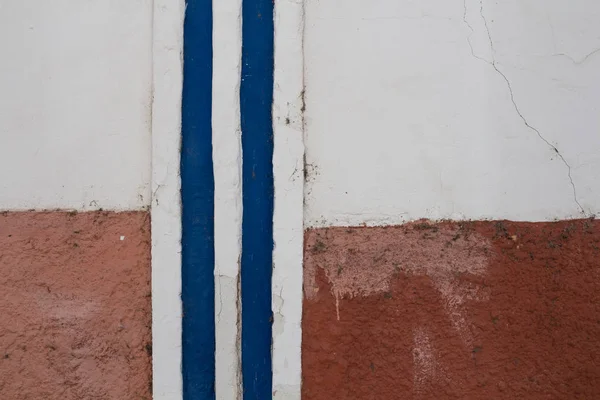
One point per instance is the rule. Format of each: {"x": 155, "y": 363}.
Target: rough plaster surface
{"x": 75, "y": 306}
{"x": 455, "y": 109}
{"x": 473, "y": 310}
{"x": 75, "y": 95}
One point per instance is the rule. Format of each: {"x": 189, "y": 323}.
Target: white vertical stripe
{"x": 228, "y": 193}
{"x": 288, "y": 168}
{"x": 166, "y": 201}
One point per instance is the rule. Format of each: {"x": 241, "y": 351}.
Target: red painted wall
{"x": 75, "y": 305}
{"x": 473, "y": 310}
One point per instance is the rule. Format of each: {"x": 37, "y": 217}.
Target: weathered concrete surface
{"x": 473, "y": 310}
{"x": 75, "y": 305}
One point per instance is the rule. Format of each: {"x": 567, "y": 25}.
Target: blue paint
{"x": 197, "y": 196}
{"x": 256, "y": 97}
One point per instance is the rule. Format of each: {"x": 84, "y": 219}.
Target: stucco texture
{"x": 75, "y": 305}
{"x": 470, "y": 310}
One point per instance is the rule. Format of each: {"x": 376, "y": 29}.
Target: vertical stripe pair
{"x": 199, "y": 219}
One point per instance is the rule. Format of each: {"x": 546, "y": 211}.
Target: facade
{"x": 250, "y": 199}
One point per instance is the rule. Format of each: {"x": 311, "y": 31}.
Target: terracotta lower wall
{"x": 474, "y": 310}
{"x": 75, "y": 305}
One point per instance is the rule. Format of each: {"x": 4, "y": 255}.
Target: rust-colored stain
{"x": 472, "y": 310}
{"x": 75, "y": 305}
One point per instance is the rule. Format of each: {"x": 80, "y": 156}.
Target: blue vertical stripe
{"x": 197, "y": 196}
{"x": 256, "y": 97}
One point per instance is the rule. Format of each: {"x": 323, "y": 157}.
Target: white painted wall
{"x": 451, "y": 109}
{"x": 75, "y": 104}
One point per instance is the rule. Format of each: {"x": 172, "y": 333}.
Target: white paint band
{"x": 227, "y": 163}
{"x": 288, "y": 169}
{"x": 166, "y": 201}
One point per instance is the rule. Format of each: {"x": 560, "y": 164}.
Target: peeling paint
{"x": 362, "y": 261}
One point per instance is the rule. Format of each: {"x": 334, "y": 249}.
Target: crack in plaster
{"x": 280, "y": 298}
{"x": 219, "y": 277}
{"x": 582, "y": 60}
{"x": 510, "y": 89}
{"x": 238, "y": 337}
{"x": 470, "y": 34}
{"x": 238, "y": 333}
{"x": 278, "y": 312}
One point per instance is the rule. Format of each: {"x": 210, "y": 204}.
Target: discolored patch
{"x": 449, "y": 310}
{"x": 75, "y": 305}
{"x": 364, "y": 265}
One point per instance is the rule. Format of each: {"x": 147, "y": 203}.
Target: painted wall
{"x": 76, "y": 93}
{"x": 408, "y": 110}
{"x": 478, "y": 113}
{"x": 451, "y": 109}
{"x": 473, "y": 310}
{"x": 76, "y": 310}
{"x": 75, "y": 109}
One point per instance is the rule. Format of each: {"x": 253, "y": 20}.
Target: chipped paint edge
{"x": 167, "y": 48}
{"x": 288, "y": 170}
